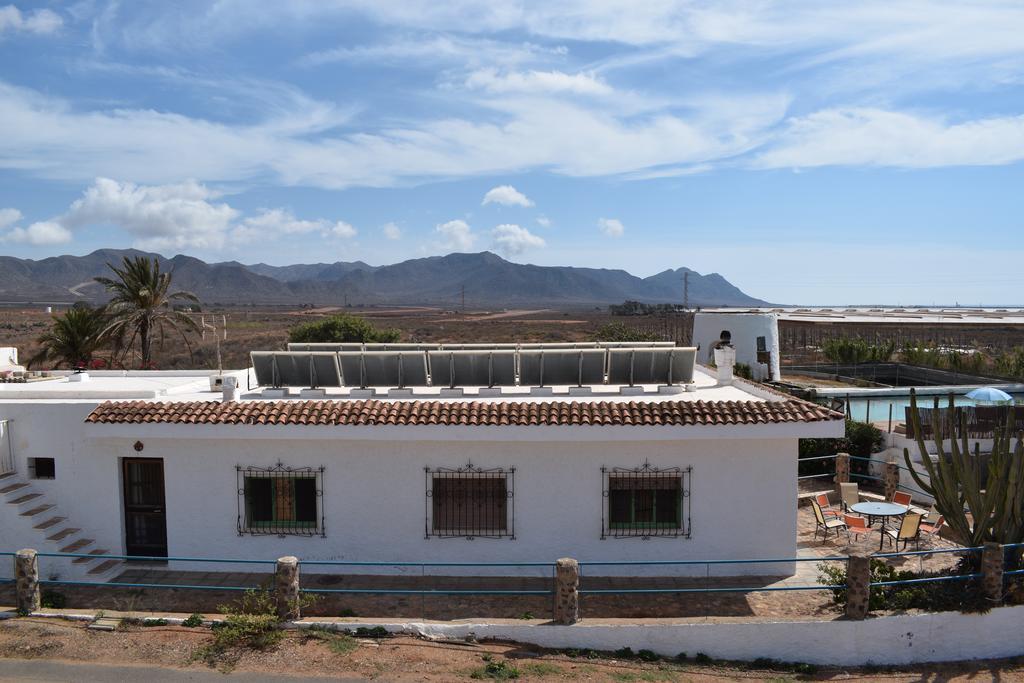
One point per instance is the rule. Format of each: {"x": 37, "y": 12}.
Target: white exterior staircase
{"x": 33, "y": 515}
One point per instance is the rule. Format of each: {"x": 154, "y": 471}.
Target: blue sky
{"x": 810, "y": 152}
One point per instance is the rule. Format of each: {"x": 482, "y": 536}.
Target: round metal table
{"x": 882, "y": 511}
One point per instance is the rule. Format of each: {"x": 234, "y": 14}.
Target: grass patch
{"x": 501, "y": 670}
{"x": 541, "y": 669}
{"x": 338, "y": 643}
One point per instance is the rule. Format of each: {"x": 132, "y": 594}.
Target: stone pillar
{"x": 992, "y": 571}
{"x": 842, "y": 470}
{"x": 891, "y": 479}
{"x": 26, "y": 577}
{"x": 858, "y": 586}
{"x": 567, "y": 597}
{"x": 286, "y": 588}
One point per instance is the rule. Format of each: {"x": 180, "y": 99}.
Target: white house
{"x": 754, "y": 335}
{"x": 155, "y": 464}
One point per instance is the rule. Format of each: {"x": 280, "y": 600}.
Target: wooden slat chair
{"x": 903, "y": 498}
{"x": 909, "y": 530}
{"x": 824, "y": 524}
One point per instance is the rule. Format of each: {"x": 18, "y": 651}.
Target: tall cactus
{"x": 974, "y": 514}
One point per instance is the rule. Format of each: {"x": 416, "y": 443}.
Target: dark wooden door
{"x": 145, "y": 517}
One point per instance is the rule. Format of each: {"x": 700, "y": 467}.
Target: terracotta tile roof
{"x": 496, "y": 413}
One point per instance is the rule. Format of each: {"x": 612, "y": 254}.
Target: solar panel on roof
{"x": 296, "y": 369}
{"x": 395, "y": 369}
{"x": 539, "y": 367}
{"x": 651, "y": 365}
{"x": 473, "y": 368}
{"x": 636, "y": 344}
{"x": 325, "y": 346}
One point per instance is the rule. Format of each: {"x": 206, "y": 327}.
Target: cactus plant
{"x": 974, "y": 514}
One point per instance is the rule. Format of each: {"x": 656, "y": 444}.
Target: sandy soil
{"x": 410, "y": 659}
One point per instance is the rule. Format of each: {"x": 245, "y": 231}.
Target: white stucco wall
{"x": 745, "y": 329}
{"x": 743, "y": 488}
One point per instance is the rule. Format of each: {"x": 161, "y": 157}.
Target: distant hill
{"x": 488, "y": 279}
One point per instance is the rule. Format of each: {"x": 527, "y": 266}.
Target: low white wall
{"x": 893, "y": 640}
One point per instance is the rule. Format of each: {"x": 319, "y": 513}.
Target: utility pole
{"x": 686, "y": 291}
{"x": 463, "y": 298}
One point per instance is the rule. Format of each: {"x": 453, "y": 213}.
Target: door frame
{"x": 155, "y": 550}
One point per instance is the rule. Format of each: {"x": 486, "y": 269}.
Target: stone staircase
{"x": 27, "y": 507}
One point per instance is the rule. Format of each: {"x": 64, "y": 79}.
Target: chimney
{"x": 229, "y": 389}
{"x": 725, "y": 358}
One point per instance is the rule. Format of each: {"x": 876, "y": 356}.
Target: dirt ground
{"x": 250, "y": 329}
{"x": 409, "y": 659}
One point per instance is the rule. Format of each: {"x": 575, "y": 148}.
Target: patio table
{"x": 882, "y": 511}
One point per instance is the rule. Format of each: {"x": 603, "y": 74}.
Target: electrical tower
{"x": 686, "y": 291}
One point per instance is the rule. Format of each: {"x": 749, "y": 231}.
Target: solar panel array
{"x": 477, "y": 365}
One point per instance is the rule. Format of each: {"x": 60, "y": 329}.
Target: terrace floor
{"x": 762, "y": 604}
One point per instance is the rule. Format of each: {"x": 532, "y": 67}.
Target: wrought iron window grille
{"x": 470, "y": 502}
{"x": 280, "y": 501}
{"x": 645, "y": 502}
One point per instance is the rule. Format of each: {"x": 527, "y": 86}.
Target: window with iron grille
{"x": 646, "y": 501}
{"x": 280, "y": 501}
{"x": 470, "y": 502}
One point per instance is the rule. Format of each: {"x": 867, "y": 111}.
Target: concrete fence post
{"x": 286, "y": 588}
{"x": 992, "y": 571}
{"x": 26, "y": 578}
{"x": 891, "y": 479}
{"x": 858, "y": 586}
{"x": 567, "y": 595}
{"x": 842, "y": 471}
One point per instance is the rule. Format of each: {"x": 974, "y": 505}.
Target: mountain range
{"x": 484, "y": 278}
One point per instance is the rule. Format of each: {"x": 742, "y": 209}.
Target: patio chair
{"x": 903, "y": 498}
{"x": 856, "y": 527}
{"x": 909, "y": 530}
{"x": 825, "y": 525}
{"x": 850, "y": 494}
{"x": 826, "y": 506}
{"x": 930, "y": 530}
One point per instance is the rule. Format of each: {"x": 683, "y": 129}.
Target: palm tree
{"x": 74, "y": 337}
{"x": 142, "y": 306}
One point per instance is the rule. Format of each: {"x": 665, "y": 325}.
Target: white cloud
{"x": 506, "y": 195}
{"x": 612, "y": 227}
{"x": 466, "y": 52}
{"x": 9, "y": 217}
{"x": 159, "y": 216}
{"x": 40, "y": 234}
{"x": 513, "y": 240}
{"x": 458, "y": 235}
{"x": 391, "y": 231}
{"x": 342, "y": 229}
{"x": 41, "y": 21}
{"x": 544, "y": 221}
{"x": 875, "y": 137}
{"x": 490, "y": 80}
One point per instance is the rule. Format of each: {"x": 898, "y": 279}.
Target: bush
{"x": 194, "y": 620}
{"x": 938, "y": 596}
{"x": 861, "y": 440}
{"x": 53, "y": 600}
{"x": 499, "y": 671}
{"x": 154, "y": 622}
{"x": 250, "y": 623}
{"x": 620, "y": 332}
{"x": 341, "y": 328}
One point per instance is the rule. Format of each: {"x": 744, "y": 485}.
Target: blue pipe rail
{"x": 156, "y": 558}
{"x": 345, "y": 563}
{"x": 412, "y": 591}
{"x": 931, "y": 579}
{"x": 749, "y": 589}
{"x": 626, "y": 563}
{"x": 929, "y": 552}
{"x": 121, "y": 584}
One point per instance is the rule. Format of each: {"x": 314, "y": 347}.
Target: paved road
{"x": 48, "y": 670}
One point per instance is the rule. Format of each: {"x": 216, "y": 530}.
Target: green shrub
{"x": 702, "y": 658}
{"x": 624, "y": 653}
{"x": 250, "y": 623}
{"x": 374, "y": 632}
{"x": 647, "y": 656}
{"x": 621, "y": 332}
{"x": 194, "y": 620}
{"x": 341, "y": 328}
{"x": 938, "y": 596}
{"x": 154, "y": 622}
{"x": 498, "y": 671}
{"x": 53, "y": 600}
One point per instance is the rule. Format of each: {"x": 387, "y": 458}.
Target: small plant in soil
{"x": 496, "y": 670}
{"x": 154, "y": 622}
{"x": 250, "y": 623}
{"x": 53, "y": 600}
{"x": 338, "y": 643}
{"x": 194, "y": 620}
{"x": 375, "y": 632}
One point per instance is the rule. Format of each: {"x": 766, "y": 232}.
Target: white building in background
{"x": 754, "y": 335}
{"x": 155, "y": 464}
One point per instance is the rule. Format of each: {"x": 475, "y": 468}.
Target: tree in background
{"x": 74, "y": 337}
{"x": 621, "y": 332}
{"x": 142, "y": 307}
{"x": 855, "y": 350}
{"x": 341, "y": 328}
{"x": 860, "y": 440}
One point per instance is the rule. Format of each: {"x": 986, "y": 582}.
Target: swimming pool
{"x": 879, "y": 406}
